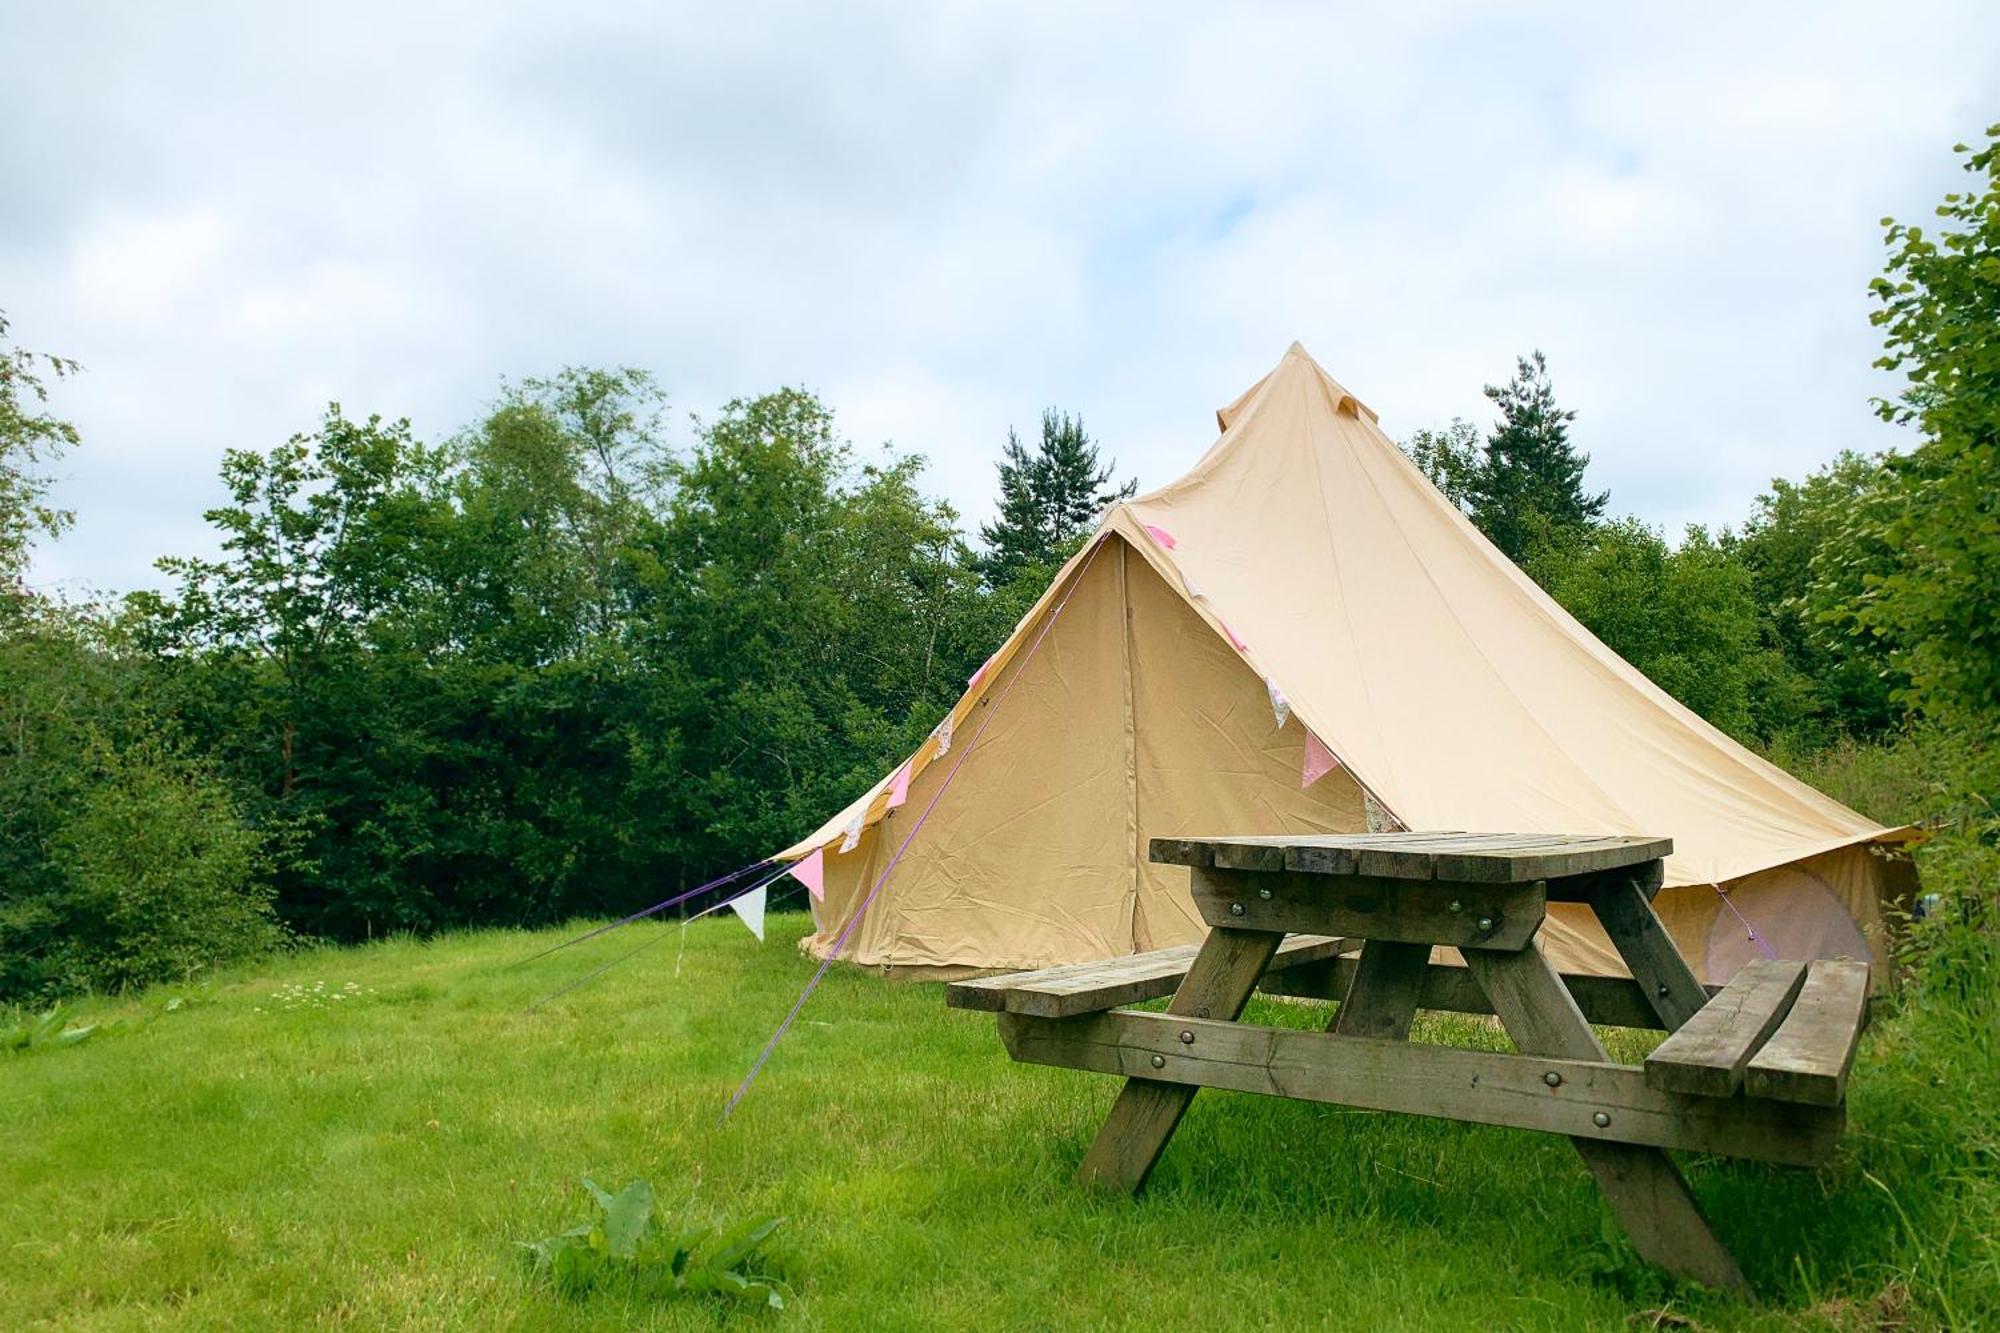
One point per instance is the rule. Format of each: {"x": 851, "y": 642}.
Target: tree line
{"x": 555, "y": 665}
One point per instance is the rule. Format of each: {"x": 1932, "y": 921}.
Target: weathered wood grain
{"x": 1625, "y": 909}
{"x": 1605, "y": 1001}
{"x": 1147, "y": 1110}
{"x": 1078, "y": 988}
{"x": 1495, "y": 858}
{"x": 1647, "y": 877}
{"x": 1381, "y": 997}
{"x": 1387, "y": 1075}
{"x": 1468, "y": 916}
{"x": 1706, "y": 1056}
{"x": 1808, "y": 1059}
{"x": 1644, "y": 1188}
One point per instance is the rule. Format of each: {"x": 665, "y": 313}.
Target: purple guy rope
{"x": 595, "y": 973}
{"x": 741, "y": 871}
{"x": 1748, "y": 929}
{"x": 840, "y": 941}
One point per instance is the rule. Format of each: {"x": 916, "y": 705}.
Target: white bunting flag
{"x": 750, "y": 907}
{"x": 1280, "y": 707}
{"x": 850, "y": 837}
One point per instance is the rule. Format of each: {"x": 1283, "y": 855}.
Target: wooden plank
{"x": 1501, "y": 858}
{"x": 1148, "y": 1110}
{"x": 1706, "y": 1055}
{"x": 1059, "y": 992}
{"x": 1381, "y": 997}
{"x": 1807, "y": 1061}
{"x": 1604, "y": 1001}
{"x": 1473, "y": 916}
{"x": 1180, "y": 852}
{"x": 1625, "y": 909}
{"x": 1248, "y": 855}
{"x": 1577, "y": 857}
{"x": 1482, "y": 1087}
{"x": 1647, "y": 877}
{"x": 1644, "y": 1188}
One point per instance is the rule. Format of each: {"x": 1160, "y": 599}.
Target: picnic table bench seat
{"x": 1756, "y": 1068}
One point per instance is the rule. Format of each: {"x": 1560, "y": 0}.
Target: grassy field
{"x": 249, "y": 1160}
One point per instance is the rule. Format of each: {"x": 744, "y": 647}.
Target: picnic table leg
{"x": 1645, "y": 1189}
{"x": 1381, "y": 999}
{"x": 1144, "y": 1117}
{"x": 1669, "y": 984}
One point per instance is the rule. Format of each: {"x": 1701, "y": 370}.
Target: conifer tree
{"x": 1529, "y": 492}
{"x": 1048, "y": 499}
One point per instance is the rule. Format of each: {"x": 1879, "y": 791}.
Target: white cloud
{"x": 946, "y": 218}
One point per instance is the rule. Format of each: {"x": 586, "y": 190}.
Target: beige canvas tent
{"x": 1305, "y": 558}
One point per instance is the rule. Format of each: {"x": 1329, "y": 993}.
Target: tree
{"x": 1529, "y": 492}
{"x": 1937, "y": 609}
{"x": 1048, "y": 499}
{"x": 1805, "y": 560}
{"x": 1684, "y": 616}
{"x": 1452, "y": 458}
{"x": 809, "y": 621}
{"x": 30, "y": 439}
{"x": 299, "y": 657}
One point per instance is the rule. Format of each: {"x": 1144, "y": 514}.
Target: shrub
{"x": 162, "y": 873}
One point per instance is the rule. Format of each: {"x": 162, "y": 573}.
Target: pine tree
{"x": 1048, "y": 499}
{"x": 1529, "y": 492}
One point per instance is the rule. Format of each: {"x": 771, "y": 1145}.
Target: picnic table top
{"x": 1476, "y": 858}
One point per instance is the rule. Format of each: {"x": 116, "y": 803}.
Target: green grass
{"x": 367, "y": 1164}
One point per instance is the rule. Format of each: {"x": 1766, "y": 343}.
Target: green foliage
{"x": 1048, "y": 500}
{"x": 122, "y": 859}
{"x": 628, "y": 1245}
{"x": 1685, "y": 616}
{"x": 554, "y": 668}
{"x": 1937, "y": 607}
{"x": 812, "y": 620}
{"x": 1805, "y": 558}
{"x": 1528, "y": 491}
{"x": 1452, "y": 458}
{"x": 24, "y": 1030}
{"x": 30, "y": 439}
{"x": 162, "y": 874}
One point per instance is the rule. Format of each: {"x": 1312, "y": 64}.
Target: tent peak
{"x": 1296, "y": 360}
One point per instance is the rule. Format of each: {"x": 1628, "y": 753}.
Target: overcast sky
{"x": 942, "y": 219}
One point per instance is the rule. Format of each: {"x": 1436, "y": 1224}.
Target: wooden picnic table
{"x": 1755, "y": 1070}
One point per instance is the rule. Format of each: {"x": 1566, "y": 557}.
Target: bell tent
{"x": 1302, "y": 635}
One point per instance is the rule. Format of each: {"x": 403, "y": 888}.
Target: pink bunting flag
{"x": 899, "y": 787}
{"x": 811, "y": 872}
{"x": 1230, "y": 634}
{"x": 980, "y": 674}
{"x": 1160, "y": 535}
{"x": 1319, "y": 761}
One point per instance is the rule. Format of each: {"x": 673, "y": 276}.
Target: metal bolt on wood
{"x": 1457, "y": 906}
{"x": 1264, "y": 894}
{"x": 1159, "y": 1062}
{"x": 1236, "y": 909}
{"x": 1187, "y": 1037}
{"x": 1485, "y": 924}
{"x": 1553, "y": 1079}
{"x": 1601, "y": 1120}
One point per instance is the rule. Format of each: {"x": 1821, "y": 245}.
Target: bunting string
{"x": 774, "y": 870}
{"x": 741, "y": 872}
